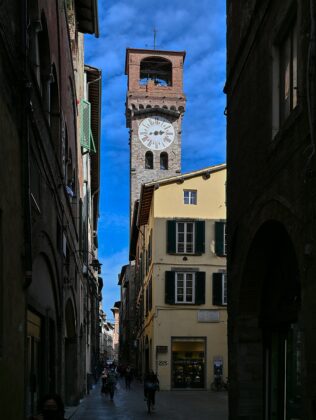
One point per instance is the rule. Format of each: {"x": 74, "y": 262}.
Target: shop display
{"x": 188, "y": 369}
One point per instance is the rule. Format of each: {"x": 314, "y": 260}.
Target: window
{"x": 150, "y": 248}
{"x": 220, "y": 239}
{"x": 157, "y": 69}
{"x": 182, "y": 287}
{"x": 190, "y": 196}
{"x": 149, "y": 296}
{"x": 164, "y": 161}
{"x": 185, "y": 237}
{"x": 284, "y": 77}
{"x": 219, "y": 289}
{"x": 288, "y": 74}
{"x": 149, "y": 160}
{"x": 184, "y": 284}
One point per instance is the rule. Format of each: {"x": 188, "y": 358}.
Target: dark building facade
{"x": 271, "y": 188}
{"x": 127, "y": 340}
{"x": 41, "y": 249}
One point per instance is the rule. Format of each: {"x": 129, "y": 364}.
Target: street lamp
{"x": 96, "y": 265}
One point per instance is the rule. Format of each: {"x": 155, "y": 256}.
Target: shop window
{"x": 220, "y": 239}
{"x": 188, "y": 362}
{"x": 157, "y": 69}
{"x": 220, "y": 289}
{"x": 185, "y": 287}
{"x": 190, "y": 196}
{"x": 285, "y": 82}
{"x": 164, "y": 161}
{"x": 149, "y": 160}
{"x": 185, "y": 237}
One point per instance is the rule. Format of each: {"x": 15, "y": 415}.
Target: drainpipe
{"x": 25, "y": 181}
{"x": 25, "y": 139}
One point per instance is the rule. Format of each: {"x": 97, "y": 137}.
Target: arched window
{"x": 45, "y": 73}
{"x": 54, "y": 116}
{"x": 157, "y": 69}
{"x": 164, "y": 161}
{"x": 149, "y": 160}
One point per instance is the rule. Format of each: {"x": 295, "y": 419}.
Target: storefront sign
{"x": 208, "y": 316}
{"x": 162, "y": 349}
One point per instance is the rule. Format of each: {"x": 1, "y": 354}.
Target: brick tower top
{"x": 155, "y": 79}
{"x": 155, "y": 105}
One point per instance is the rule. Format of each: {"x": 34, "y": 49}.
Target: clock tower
{"x": 155, "y": 105}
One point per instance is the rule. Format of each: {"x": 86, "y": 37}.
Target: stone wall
{"x": 270, "y": 179}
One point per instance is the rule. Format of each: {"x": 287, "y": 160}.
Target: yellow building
{"x": 178, "y": 242}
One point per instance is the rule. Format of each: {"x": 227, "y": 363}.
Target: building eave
{"x": 147, "y": 190}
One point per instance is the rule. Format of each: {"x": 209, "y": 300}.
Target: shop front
{"x": 188, "y": 362}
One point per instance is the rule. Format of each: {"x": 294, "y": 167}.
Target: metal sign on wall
{"x": 208, "y": 316}
{"x": 161, "y": 349}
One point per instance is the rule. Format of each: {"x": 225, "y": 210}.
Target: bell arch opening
{"x": 149, "y": 160}
{"x": 157, "y": 69}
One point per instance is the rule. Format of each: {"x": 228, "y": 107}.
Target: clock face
{"x": 156, "y": 133}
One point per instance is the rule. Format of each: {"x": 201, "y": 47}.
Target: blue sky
{"x": 199, "y": 28}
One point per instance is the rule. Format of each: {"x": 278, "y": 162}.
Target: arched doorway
{"x": 71, "y": 389}
{"x": 269, "y": 337}
{"x": 41, "y": 333}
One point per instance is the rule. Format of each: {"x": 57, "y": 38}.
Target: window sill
{"x": 185, "y": 304}
{"x": 186, "y": 255}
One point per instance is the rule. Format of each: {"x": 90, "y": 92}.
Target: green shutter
{"x": 86, "y": 137}
{"x": 170, "y": 287}
{"x": 199, "y": 288}
{"x": 217, "y": 288}
{"x": 171, "y": 236}
{"x": 150, "y": 301}
{"x": 147, "y": 301}
{"x": 219, "y": 238}
{"x": 200, "y": 237}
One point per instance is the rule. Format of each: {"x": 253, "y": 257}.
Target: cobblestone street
{"x": 170, "y": 405}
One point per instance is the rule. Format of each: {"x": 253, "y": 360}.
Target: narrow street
{"x": 170, "y": 405}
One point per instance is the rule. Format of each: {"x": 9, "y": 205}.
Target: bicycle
{"x": 218, "y": 384}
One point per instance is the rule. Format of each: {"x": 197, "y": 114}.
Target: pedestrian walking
{"x": 151, "y": 385}
{"x": 104, "y": 378}
{"x": 128, "y": 377}
{"x": 111, "y": 383}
